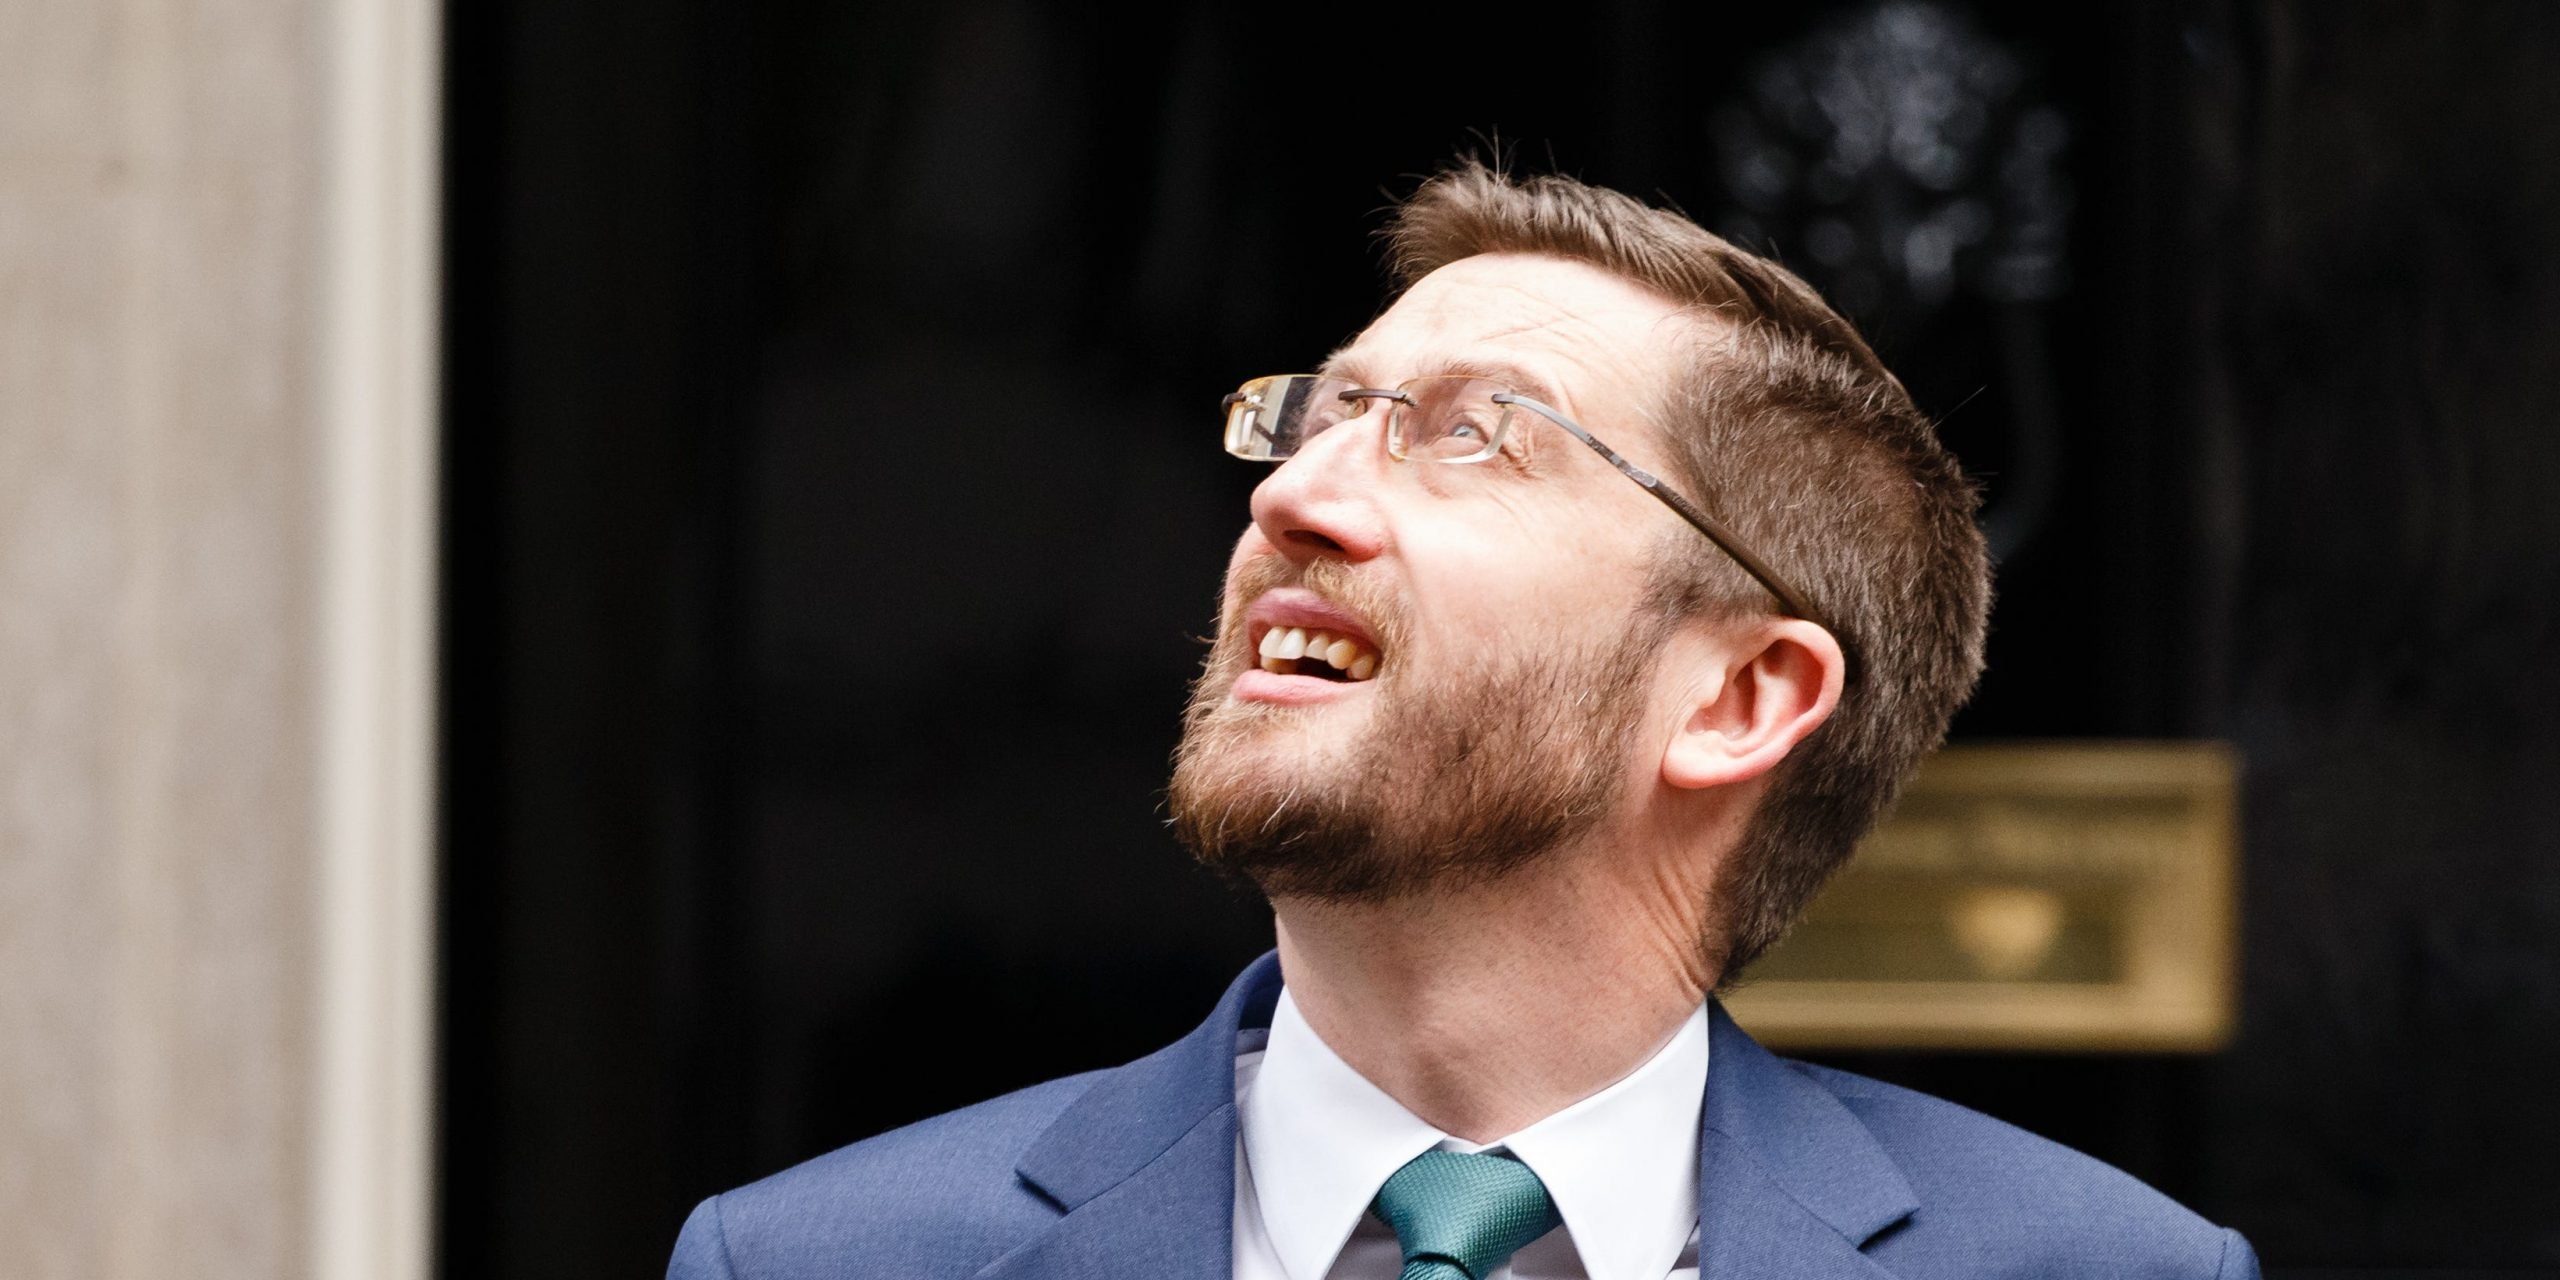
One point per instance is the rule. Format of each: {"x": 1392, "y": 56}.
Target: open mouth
{"x": 1324, "y": 655}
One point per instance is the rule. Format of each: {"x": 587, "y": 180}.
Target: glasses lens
{"x": 1272, "y": 418}
{"x": 1449, "y": 420}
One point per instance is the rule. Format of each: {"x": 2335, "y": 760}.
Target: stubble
{"x": 1466, "y": 772}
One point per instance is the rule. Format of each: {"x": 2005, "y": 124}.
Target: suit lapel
{"x": 1790, "y": 1184}
{"x": 1143, "y": 1165}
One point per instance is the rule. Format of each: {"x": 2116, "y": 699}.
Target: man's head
{"x": 1551, "y": 649}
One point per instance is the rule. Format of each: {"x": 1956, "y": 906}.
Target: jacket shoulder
{"x": 938, "y": 1197}
{"x": 1996, "y": 1200}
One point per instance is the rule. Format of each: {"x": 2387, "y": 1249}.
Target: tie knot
{"x": 1467, "y": 1212}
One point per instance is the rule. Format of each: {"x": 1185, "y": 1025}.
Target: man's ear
{"x": 1762, "y": 691}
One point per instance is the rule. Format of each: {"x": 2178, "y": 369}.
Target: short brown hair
{"x": 1789, "y": 429}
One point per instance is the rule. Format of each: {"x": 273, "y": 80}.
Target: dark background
{"x": 832, "y": 503}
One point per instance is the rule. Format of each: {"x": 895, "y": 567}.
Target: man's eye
{"x": 1467, "y": 431}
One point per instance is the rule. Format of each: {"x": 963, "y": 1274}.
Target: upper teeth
{"x": 1284, "y": 645}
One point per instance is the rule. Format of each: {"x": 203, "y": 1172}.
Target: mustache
{"x": 1334, "y": 580}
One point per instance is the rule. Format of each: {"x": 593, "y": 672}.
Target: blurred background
{"x": 828, "y": 509}
{"x": 832, "y": 506}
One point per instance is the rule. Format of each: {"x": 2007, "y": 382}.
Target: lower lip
{"x": 1258, "y": 685}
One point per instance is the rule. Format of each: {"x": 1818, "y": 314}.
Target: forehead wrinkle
{"x": 1585, "y": 341}
{"x": 1527, "y": 317}
{"x": 1346, "y": 359}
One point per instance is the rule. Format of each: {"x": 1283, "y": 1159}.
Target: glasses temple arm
{"x": 1716, "y": 533}
{"x": 1795, "y": 602}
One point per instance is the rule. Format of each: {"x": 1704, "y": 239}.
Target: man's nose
{"x": 1323, "y": 501}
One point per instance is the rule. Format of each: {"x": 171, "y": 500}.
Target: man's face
{"x": 1498, "y": 607}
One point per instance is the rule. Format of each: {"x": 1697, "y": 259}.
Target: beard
{"x": 1454, "y": 782}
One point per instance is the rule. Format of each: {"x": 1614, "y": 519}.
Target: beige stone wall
{"x": 166, "y": 281}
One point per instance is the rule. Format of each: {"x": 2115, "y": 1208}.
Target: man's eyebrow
{"x": 1343, "y": 364}
{"x": 1502, "y": 371}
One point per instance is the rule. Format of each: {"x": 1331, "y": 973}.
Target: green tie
{"x": 1460, "y": 1216}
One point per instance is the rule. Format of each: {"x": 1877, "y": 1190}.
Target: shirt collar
{"x": 1622, "y": 1164}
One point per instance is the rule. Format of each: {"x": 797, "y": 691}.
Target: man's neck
{"x": 1486, "y": 1010}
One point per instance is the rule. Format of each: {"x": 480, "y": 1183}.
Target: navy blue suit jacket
{"x": 1803, "y": 1174}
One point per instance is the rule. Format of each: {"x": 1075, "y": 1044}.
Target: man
{"x": 1531, "y": 752}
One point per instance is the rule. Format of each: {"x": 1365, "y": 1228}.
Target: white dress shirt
{"x": 1315, "y": 1140}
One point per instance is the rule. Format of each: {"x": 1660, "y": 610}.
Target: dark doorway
{"x": 832, "y": 508}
